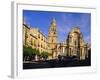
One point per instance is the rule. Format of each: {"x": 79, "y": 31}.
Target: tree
{"x": 35, "y": 53}
{"x": 44, "y": 55}
{"x": 27, "y": 53}
{"x": 30, "y": 53}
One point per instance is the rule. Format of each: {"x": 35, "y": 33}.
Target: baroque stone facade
{"x": 74, "y": 46}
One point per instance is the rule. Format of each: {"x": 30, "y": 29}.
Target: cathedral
{"x": 73, "y": 46}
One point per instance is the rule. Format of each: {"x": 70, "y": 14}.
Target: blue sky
{"x": 65, "y": 22}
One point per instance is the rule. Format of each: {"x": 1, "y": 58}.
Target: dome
{"x": 76, "y": 30}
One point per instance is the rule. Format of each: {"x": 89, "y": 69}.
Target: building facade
{"x": 34, "y": 38}
{"x": 26, "y": 35}
{"x": 76, "y": 45}
{"x": 61, "y": 49}
{"x": 42, "y": 42}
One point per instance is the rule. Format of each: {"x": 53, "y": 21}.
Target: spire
{"x": 53, "y": 23}
{"x": 54, "y": 20}
{"x": 52, "y": 29}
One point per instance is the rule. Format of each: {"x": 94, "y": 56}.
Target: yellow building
{"x": 76, "y": 46}
{"x": 42, "y": 42}
{"x": 26, "y": 35}
{"x": 61, "y": 49}
{"x": 34, "y": 38}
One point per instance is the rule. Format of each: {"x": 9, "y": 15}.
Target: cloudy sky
{"x": 65, "y": 22}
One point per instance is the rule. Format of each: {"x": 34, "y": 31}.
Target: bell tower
{"x": 52, "y": 38}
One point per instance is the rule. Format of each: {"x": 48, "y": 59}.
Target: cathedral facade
{"x": 76, "y": 46}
